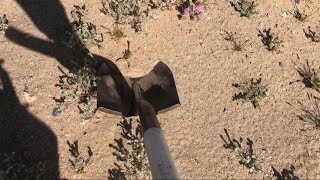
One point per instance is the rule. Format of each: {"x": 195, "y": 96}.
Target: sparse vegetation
{"x": 15, "y": 167}
{"x": 246, "y": 8}
{"x": 195, "y": 9}
{"x": 129, "y": 150}
{"x": 251, "y": 91}
{"x": 4, "y": 23}
{"x": 126, "y": 54}
{"x": 286, "y": 174}
{"x": 116, "y": 33}
{"x": 237, "y": 45}
{"x": 270, "y": 40}
{"x": 134, "y": 12}
{"x": 77, "y": 161}
{"x": 310, "y": 77}
{"x": 81, "y": 86}
{"x": 311, "y": 112}
{"x": 84, "y": 32}
{"x": 246, "y": 156}
{"x": 301, "y": 16}
{"x": 314, "y": 36}
{"x": 78, "y": 87}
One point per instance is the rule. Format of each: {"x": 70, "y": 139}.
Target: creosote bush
{"x": 251, "y": 91}
{"x": 130, "y": 153}
{"x": 244, "y": 7}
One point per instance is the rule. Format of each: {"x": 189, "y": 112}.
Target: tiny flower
{"x": 200, "y": 11}
{"x": 187, "y": 11}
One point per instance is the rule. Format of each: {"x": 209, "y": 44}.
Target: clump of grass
{"x": 311, "y": 112}
{"x": 116, "y": 33}
{"x": 78, "y": 162}
{"x": 270, "y": 40}
{"x": 251, "y": 91}
{"x": 134, "y": 12}
{"x": 81, "y": 86}
{"x": 246, "y": 156}
{"x": 310, "y": 77}
{"x": 246, "y": 8}
{"x": 195, "y": 9}
{"x": 314, "y": 36}
{"x": 84, "y": 32}
{"x": 130, "y": 152}
{"x": 237, "y": 45}
{"x": 4, "y": 23}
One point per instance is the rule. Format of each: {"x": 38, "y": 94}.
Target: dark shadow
{"x": 50, "y": 18}
{"x": 286, "y": 174}
{"x": 28, "y": 148}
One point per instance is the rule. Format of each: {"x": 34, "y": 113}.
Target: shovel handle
{"x": 161, "y": 164}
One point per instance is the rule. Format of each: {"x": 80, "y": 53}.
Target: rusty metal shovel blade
{"x": 115, "y": 93}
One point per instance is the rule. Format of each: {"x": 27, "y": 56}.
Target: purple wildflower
{"x": 187, "y": 11}
{"x": 199, "y": 10}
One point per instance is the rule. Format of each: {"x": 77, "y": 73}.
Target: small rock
{"x": 56, "y": 111}
{"x": 29, "y": 98}
{"x": 285, "y": 14}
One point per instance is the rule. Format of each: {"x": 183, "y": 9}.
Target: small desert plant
{"x": 192, "y": 8}
{"x": 81, "y": 86}
{"x": 126, "y": 54}
{"x": 244, "y": 7}
{"x": 116, "y": 33}
{"x": 4, "y": 23}
{"x": 310, "y": 77}
{"x": 301, "y": 16}
{"x": 134, "y": 12}
{"x": 251, "y": 91}
{"x": 311, "y": 112}
{"x": 246, "y": 156}
{"x": 77, "y": 161}
{"x": 270, "y": 40}
{"x": 131, "y": 153}
{"x": 314, "y": 36}
{"x": 16, "y": 167}
{"x": 286, "y": 174}
{"x": 237, "y": 45}
{"x": 84, "y": 32}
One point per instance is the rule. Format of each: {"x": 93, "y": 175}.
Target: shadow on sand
{"x": 28, "y": 148}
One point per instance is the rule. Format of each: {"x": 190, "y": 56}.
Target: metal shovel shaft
{"x": 161, "y": 164}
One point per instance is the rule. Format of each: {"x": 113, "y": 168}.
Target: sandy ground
{"x": 205, "y": 67}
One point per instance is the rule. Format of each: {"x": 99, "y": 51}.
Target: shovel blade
{"x": 115, "y": 93}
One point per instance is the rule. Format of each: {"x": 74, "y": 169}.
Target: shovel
{"x": 145, "y": 96}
